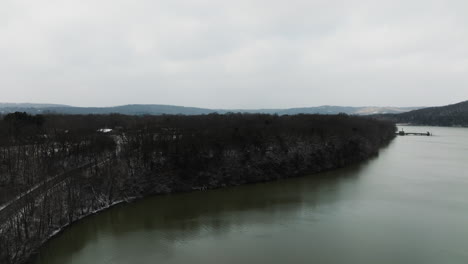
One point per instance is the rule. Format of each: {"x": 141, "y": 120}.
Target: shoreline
{"x": 35, "y": 254}
{"x": 235, "y": 150}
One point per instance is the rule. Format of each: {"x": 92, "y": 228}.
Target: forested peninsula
{"x": 57, "y": 169}
{"x": 454, "y": 115}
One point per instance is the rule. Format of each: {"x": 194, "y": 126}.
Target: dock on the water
{"x": 403, "y": 133}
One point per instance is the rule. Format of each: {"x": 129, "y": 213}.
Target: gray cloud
{"x": 234, "y": 54}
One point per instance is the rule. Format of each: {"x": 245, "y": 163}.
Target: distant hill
{"x": 172, "y": 109}
{"x": 26, "y": 107}
{"x": 29, "y": 105}
{"x": 125, "y": 109}
{"x": 450, "y": 115}
{"x": 326, "y": 109}
{"x": 132, "y": 110}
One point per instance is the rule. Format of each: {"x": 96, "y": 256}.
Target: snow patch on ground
{"x": 3, "y": 206}
{"x": 61, "y": 229}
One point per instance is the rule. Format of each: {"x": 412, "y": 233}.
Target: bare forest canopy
{"x": 449, "y": 115}
{"x": 56, "y": 169}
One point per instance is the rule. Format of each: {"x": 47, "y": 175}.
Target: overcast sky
{"x": 234, "y": 54}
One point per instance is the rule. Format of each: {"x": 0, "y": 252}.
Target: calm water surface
{"x": 408, "y": 205}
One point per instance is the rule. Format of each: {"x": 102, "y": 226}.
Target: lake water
{"x": 408, "y": 205}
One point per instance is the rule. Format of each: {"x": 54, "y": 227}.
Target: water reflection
{"x": 165, "y": 220}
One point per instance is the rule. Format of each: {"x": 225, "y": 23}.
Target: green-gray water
{"x": 408, "y": 205}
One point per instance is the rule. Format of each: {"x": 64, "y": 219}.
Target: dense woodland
{"x": 56, "y": 169}
{"x": 450, "y": 115}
